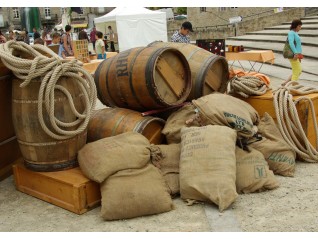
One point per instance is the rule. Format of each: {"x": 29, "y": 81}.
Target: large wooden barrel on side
{"x": 144, "y": 78}
{"x": 40, "y": 151}
{"x": 113, "y": 121}
{"x": 209, "y": 72}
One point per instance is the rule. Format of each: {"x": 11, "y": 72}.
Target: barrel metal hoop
{"x": 131, "y": 80}
{"x": 51, "y": 167}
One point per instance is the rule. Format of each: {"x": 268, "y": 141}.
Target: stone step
{"x": 306, "y": 41}
{"x": 302, "y": 33}
{"x": 308, "y": 51}
{"x": 304, "y": 27}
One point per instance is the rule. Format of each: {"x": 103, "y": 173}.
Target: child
{"x": 56, "y": 42}
{"x": 100, "y": 46}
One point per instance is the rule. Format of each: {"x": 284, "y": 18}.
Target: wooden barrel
{"x": 209, "y": 72}
{"x": 144, "y": 78}
{"x": 40, "y": 151}
{"x": 113, "y": 121}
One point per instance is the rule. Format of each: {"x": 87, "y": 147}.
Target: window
{"x": 47, "y": 11}
{"x": 63, "y": 10}
{"x": 101, "y": 10}
{"x": 222, "y": 9}
{"x": 82, "y": 11}
{"x": 16, "y": 13}
{"x": 202, "y": 9}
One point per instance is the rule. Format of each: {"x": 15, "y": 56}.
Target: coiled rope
{"x": 288, "y": 120}
{"x": 247, "y": 85}
{"x": 52, "y": 68}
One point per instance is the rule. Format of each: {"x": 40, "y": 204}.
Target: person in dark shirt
{"x": 36, "y": 34}
{"x": 82, "y": 35}
{"x": 93, "y": 37}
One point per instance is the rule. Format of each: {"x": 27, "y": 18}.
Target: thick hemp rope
{"x": 288, "y": 120}
{"x": 52, "y": 68}
{"x": 247, "y": 85}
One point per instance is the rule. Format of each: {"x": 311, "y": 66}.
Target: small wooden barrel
{"x": 113, "y": 121}
{"x": 41, "y": 152}
{"x": 144, "y": 78}
{"x": 209, "y": 72}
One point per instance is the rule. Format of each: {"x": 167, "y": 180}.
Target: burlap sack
{"x": 177, "y": 120}
{"x": 167, "y": 159}
{"x": 252, "y": 172}
{"x": 102, "y": 158}
{"x": 135, "y": 192}
{"x": 207, "y": 165}
{"x": 280, "y": 156}
{"x": 222, "y": 109}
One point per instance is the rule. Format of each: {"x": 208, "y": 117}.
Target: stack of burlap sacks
{"x": 217, "y": 147}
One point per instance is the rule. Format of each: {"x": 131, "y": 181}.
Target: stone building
{"x": 214, "y": 22}
{"x": 10, "y": 18}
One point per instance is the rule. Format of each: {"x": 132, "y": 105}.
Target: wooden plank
{"x": 68, "y": 189}
{"x": 173, "y": 80}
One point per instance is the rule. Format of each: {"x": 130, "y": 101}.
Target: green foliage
{"x": 181, "y": 10}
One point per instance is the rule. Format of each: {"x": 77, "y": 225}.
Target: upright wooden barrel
{"x": 9, "y": 148}
{"x": 40, "y": 151}
{"x": 113, "y": 121}
{"x": 209, "y": 72}
{"x": 144, "y": 78}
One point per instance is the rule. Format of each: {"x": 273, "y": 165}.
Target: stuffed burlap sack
{"x": 102, "y": 158}
{"x": 207, "y": 165}
{"x": 181, "y": 118}
{"x": 252, "y": 172}
{"x": 222, "y": 109}
{"x": 135, "y": 192}
{"x": 167, "y": 159}
{"x": 280, "y": 156}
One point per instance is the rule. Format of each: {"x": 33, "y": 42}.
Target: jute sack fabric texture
{"x": 167, "y": 159}
{"x": 178, "y": 119}
{"x": 102, "y": 158}
{"x": 280, "y": 156}
{"x": 252, "y": 172}
{"x": 222, "y": 109}
{"x": 208, "y": 165}
{"x": 135, "y": 192}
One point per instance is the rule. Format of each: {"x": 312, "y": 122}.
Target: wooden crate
{"x": 9, "y": 154}
{"x": 80, "y": 49}
{"x": 265, "y": 103}
{"x": 68, "y": 189}
{"x": 6, "y": 125}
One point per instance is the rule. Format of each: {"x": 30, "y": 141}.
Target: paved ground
{"x": 21, "y": 212}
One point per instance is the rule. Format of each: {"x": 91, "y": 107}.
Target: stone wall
{"x": 257, "y": 20}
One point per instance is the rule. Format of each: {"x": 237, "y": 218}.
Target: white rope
{"x": 288, "y": 120}
{"x": 247, "y": 85}
{"x": 52, "y": 68}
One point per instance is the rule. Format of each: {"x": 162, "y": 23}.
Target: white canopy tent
{"x": 135, "y": 26}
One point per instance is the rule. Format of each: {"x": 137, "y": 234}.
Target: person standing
{"x": 182, "y": 35}
{"x": 112, "y": 38}
{"x": 27, "y": 38}
{"x": 295, "y": 45}
{"x": 11, "y": 35}
{"x": 36, "y": 34}
{"x": 100, "y": 46}
{"x": 92, "y": 36}
{"x": 67, "y": 42}
{"x": 82, "y": 35}
{"x": 2, "y": 38}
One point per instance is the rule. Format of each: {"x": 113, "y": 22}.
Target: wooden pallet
{"x": 265, "y": 103}
{"x": 80, "y": 49}
{"x": 68, "y": 189}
